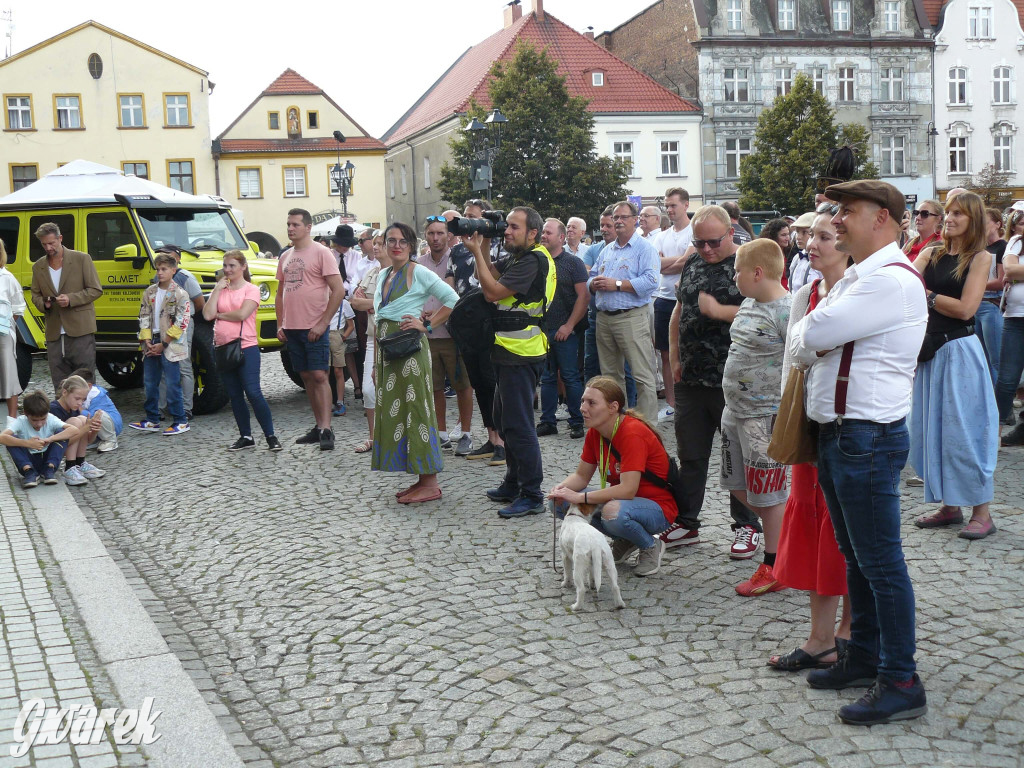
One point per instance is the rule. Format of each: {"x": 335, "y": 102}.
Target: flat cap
{"x": 880, "y": 192}
{"x": 805, "y": 221}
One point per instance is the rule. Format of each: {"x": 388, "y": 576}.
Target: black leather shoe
{"x": 885, "y": 702}
{"x": 577, "y": 432}
{"x": 544, "y": 429}
{"x": 326, "y": 439}
{"x": 1014, "y": 437}
{"x": 851, "y": 669}
{"x": 310, "y": 438}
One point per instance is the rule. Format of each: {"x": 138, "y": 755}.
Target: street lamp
{"x": 485, "y": 140}
{"x": 342, "y": 175}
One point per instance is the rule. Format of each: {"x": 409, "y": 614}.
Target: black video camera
{"x": 492, "y": 225}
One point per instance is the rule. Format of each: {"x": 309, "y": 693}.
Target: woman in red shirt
{"x": 928, "y": 223}
{"x": 632, "y": 465}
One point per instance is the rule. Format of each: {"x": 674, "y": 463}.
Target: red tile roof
{"x": 625, "y": 90}
{"x": 328, "y": 144}
{"x": 291, "y": 83}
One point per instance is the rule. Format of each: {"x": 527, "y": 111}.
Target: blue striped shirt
{"x": 636, "y": 261}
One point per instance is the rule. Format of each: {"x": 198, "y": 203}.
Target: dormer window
{"x": 734, "y": 15}
{"x": 787, "y": 15}
{"x": 841, "y": 15}
{"x": 597, "y": 79}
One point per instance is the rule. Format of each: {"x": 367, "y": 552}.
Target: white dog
{"x": 584, "y": 549}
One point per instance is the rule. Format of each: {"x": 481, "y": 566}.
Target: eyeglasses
{"x": 715, "y": 243}
{"x": 652, "y": 215}
{"x": 391, "y": 243}
{"x": 925, "y": 214}
{"x": 623, "y": 217}
{"x": 437, "y": 218}
{"x": 827, "y": 208}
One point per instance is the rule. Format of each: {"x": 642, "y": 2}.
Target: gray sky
{"x": 371, "y": 57}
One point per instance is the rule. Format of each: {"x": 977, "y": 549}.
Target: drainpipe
{"x": 216, "y": 166}
{"x": 412, "y": 163}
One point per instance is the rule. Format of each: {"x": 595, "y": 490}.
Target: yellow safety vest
{"x": 531, "y": 341}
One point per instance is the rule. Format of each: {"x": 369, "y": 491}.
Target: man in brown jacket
{"x": 64, "y": 286}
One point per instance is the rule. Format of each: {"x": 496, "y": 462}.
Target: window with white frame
{"x": 818, "y": 78}
{"x": 176, "y": 107}
{"x": 131, "y": 110}
{"x": 737, "y": 81}
{"x": 405, "y": 188}
{"x": 846, "y": 84}
{"x": 894, "y": 149}
{"x": 979, "y": 21}
{"x": 783, "y": 80}
{"x": 668, "y": 151}
{"x": 426, "y": 173}
{"x": 841, "y": 15}
{"x": 1003, "y": 145}
{"x": 892, "y": 83}
{"x": 787, "y": 14}
{"x": 597, "y": 79}
{"x": 891, "y": 16}
{"x": 1001, "y": 85}
{"x": 295, "y": 182}
{"x": 69, "y": 112}
{"x": 735, "y": 151}
{"x": 958, "y": 85}
{"x": 19, "y": 113}
{"x": 958, "y": 154}
{"x": 249, "y": 182}
{"x": 623, "y": 150}
{"x": 734, "y": 15}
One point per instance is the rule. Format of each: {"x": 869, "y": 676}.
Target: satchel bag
{"x": 794, "y": 436}
{"x": 229, "y": 356}
{"x": 401, "y": 344}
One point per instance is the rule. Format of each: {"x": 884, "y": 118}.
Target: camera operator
{"x": 522, "y": 287}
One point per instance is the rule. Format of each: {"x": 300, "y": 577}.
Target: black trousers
{"x": 698, "y": 415}
{"x": 482, "y": 378}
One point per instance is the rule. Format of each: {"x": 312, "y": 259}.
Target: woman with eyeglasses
{"x": 405, "y": 437}
{"x": 1011, "y": 357}
{"x": 808, "y": 556}
{"x": 927, "y": 221}
{"x": 954, "y": 427}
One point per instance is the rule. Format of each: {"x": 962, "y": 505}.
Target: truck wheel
{"x": 123, "y": 372}
{"x": 24, "y": 357}
{"x": 210, "y": 395}
{"x": 286, "y": 361}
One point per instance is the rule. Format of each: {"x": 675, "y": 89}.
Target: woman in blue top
{"x": 405, "y": 435}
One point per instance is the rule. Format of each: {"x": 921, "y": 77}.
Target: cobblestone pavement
{"x": 326, "y": 625}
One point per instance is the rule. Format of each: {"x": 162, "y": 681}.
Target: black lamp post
{"x": 342, "y": 175}
{"x": 485, "y": 139}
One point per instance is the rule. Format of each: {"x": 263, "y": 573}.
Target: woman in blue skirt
{"x": 954, "y": 426}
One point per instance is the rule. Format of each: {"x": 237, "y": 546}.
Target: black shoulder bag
{"x": 400, "y": 344}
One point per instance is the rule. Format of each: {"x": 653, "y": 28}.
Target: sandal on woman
{"x": 432, "y": 495}
{"x": 408, "y": 490}
{"x": 944, "y": 516}
{"x": 798, "y": 659}
{"x": 364, "y": 447}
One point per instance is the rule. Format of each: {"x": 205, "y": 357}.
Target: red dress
{"x": 808, "y": 556}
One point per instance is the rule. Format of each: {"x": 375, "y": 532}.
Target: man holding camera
{"x": 522, "y": 287}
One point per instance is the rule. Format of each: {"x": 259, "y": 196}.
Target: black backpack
{"x": 672, "y": 483}
{"x": 471, "y": 322}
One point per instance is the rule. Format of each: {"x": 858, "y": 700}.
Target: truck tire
{"x": 24, "y": 357}
{"x": 210, "y": 394}
{"x": 120, "y": 370}
{"x": 286, "y": 361}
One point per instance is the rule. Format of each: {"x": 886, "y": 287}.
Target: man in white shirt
{"x": 878, "y": 307}
{"x": 575, "y": 229}
{"x": 650, "y": 222}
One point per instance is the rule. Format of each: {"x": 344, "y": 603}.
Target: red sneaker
{"x": 761, "y": 583}
{"x": 679, "y": 536}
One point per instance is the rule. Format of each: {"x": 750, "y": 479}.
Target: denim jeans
{"x": 37, "y": 461}
{"x": 513, "y": 415}
{"x": 1011, "y": 364}
{"x": 155, "y": 368}
{"x": 242, "y": 383}
{"x": 859, "y": 465}
{"x": 562, "y": 356}
{"x": 592, "y": 364}
{"x": 988, "y": 324}
{"x": 637, "y": 519}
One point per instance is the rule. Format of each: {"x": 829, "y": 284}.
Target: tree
{"x": 992, "y": 184}
{"x": 791, "y": 147}
{"x": 547, "y": 158}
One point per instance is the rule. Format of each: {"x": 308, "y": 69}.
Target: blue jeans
{"x": 37, "y": 461}
{"x": 242, "y": 383}
{"x": 562, "y": 356}
{"x": 1011, "y": 364}
{"x": 153, "y": 369}
{"x": 988, "y": 324}
{"x": 859, "y": 465}
{"x": 592, "y": 364}
{"x": 637, "y": 519}
{"x": 513, "y": 416}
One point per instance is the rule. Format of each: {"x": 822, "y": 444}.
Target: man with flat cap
{"x": 859, "y": 349}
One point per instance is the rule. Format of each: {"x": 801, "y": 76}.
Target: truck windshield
{"x": 192, "y": 229}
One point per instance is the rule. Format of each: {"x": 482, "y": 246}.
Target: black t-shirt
{"x": 517, "y": 274}
{"x": 940, "y": 276}
{"x": 461, "y": 268}
{"x": 569, "y": 271}
{"x": 997, "y": 249}
{"x": 703, "y": 342}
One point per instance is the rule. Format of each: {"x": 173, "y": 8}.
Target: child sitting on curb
{"x": 68, "y": 408}
{"x": 34, "y": 440}
{"x": 101, "y": 411}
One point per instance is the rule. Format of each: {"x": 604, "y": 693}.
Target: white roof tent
{"x": 84, "y": 183}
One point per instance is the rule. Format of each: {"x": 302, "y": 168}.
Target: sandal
{"x": 408, "y": 490}
{"x": 944, "y": 516}
{"x": 408, "y": 498}
{"x": 798, "y": 659}
{"x": 977, "y": 529}
{"x": 364, "y": 447}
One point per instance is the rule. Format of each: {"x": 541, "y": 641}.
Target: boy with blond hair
{"x": 752, "y": 384}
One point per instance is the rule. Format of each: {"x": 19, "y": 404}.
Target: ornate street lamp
{"x": 342, "y": 175}
{"x": 485, "y": 140}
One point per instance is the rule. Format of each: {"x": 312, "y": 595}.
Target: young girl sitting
{"x": 68, "y": 408}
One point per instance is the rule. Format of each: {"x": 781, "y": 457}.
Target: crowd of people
{"x": 908, "y": 331}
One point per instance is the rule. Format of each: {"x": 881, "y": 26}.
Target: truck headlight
{"x": 264, "y": 292}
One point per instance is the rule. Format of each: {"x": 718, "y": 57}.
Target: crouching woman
{"x": 633, "y": 501}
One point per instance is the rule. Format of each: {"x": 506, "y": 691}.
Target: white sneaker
{"x": 90, "y": 471}
{"x": 562, "y": 412}
{"x": 915, "y": 481}
{"x": 105, "y": 446}
{"x": 665, "y": 413}
{"x": 745, "y": 543}
{"x": 74, "y": 476}
{"x": 455, "y": 433}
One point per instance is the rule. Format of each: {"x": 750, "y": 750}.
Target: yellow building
{"x": 96, "y": 94}
{"x": 278, "y": 154}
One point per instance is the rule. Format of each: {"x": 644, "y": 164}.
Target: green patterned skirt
{"x": 405, "y": 435}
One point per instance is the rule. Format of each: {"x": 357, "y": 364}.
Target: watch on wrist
{"x": 618, "y": 285}
{"x": 931, "y": 299}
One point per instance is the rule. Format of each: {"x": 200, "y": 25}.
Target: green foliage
{"x": 992, "y": 185}
{"x": 791, "y": 147}
{"x": 547, "y": 158}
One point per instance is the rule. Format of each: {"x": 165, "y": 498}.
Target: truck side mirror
{"x": 128, "y": 252}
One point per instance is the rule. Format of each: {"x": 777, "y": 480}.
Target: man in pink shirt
{"x": 309, "y": 292}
